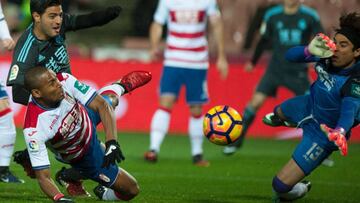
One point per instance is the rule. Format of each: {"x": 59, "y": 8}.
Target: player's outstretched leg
{"x": 125, "y": 188}
{"x": 249, "y": 116}
{"x": 7, "y": 139}
{"x": 274, "y": 120}
{"x": 126, "y": 84}
{"x": 134, "y": 80}
{"x": 71, "y": 179}
{"x": 286, "y": 193}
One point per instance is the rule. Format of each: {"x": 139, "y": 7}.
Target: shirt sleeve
{"x": 349, "y": 111}
{"x": 68, "y": 22}
{"x": 82, "y": 92}
{"x": 161, "y": 13}
{"x": 35, "y": 144}
{"x": 4, "y": 29}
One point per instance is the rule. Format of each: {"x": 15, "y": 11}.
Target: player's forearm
{"x": 47, "y": 185}
{"x": 219, "y": 37}
{"x": 299, "y": 54}
{"x": 349, "y": 107}
{"x": 259, "y": 50}
{"x": 97, "y": 18}
{"x": 107, "y": 117}
{"x": 156, "y": 30}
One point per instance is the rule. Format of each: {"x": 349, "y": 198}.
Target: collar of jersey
{"x": 42, "y": 107}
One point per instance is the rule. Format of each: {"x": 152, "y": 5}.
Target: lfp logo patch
{"x": 33, "y": 146}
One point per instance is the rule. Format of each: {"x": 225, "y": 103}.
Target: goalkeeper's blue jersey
{"x": 335, "y": 95}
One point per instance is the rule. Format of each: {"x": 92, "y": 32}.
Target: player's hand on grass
{"x": 223, "y": 67}
{"x": 322, "y": 46}
{"x": 337, "y": 136}
{"x": 113, "y": 153}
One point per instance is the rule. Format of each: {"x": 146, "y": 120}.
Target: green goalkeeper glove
{"x": 322, "y": 46}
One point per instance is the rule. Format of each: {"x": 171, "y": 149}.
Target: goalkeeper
{"x": 329, "y": 112}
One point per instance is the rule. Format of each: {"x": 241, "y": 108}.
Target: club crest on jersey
{"x": 33, "y": 146}
{"x": 14, "y": 72}
{"x": 104, "y": 178}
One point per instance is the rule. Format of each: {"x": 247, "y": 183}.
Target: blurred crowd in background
{"x": 242, "y": 19}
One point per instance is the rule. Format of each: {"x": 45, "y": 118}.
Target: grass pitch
{"x": 243, "y": 177}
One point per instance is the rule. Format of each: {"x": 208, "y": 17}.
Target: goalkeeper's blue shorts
{"x": 314, "y": 146}
{"x": 194, "y": 80}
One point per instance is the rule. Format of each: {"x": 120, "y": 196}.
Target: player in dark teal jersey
{"x": 329, "y": 112}
{"x": 43, "y": 42}
{"x": 283, "y": 26}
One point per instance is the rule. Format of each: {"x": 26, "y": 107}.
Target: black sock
{"x": 249, "y": 115}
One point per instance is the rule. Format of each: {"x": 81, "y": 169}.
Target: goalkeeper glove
{"x": 322, "y": 46}
{"x": 337, "y": 136}
{"x": 113, "y": 153}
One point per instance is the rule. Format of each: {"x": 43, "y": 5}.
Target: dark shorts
{"x": 298, "y": 83}
{"x": 194, "y": 80}
{"x": 90, "y": 164}
{"x": 314, "y": 146}
{"x": 3, "y": 93}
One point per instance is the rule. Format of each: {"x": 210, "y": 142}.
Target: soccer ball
{"x": 222, "y": 125}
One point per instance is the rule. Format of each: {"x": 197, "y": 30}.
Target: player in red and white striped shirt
{"x": 186, "y": 62}
{"x": 62, "y": 115}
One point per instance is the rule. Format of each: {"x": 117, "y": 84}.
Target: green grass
{"x": 244, "y": 177}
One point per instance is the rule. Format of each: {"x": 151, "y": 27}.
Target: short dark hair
{"x": 350, "y": 27}
{"x": 32, "y": 76}
{"x": 39, "y": 6}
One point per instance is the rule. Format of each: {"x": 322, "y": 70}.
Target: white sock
{"x": 109, "y": 195}
{"x": 112, "y": 89}
{"x": 159, "y": 127}
{"x": 299, "y": 190}
{"x": 7, "y": 138}
{"x": 196, "y": 135}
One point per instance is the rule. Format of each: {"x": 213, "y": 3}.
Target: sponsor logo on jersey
{"x": 104, "y": 178}
{"x": 53, "y": 122}
{"x": 33, "y": 146}
{"x": 355, "y": 90}
{"x": 41, "y": 58}
{"x": 14, "y": 72}
{"x": 81, "y": 87}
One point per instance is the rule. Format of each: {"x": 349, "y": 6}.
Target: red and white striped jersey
{"x": 186, "y": 44}
{"x": 66, "y": 130}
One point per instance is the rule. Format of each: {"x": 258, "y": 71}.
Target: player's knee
{"x": 134, "y": 190}
{"x": 111, "y": 99}
{"x": 131, "y": 192}
{"x": 280, "y": 186}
